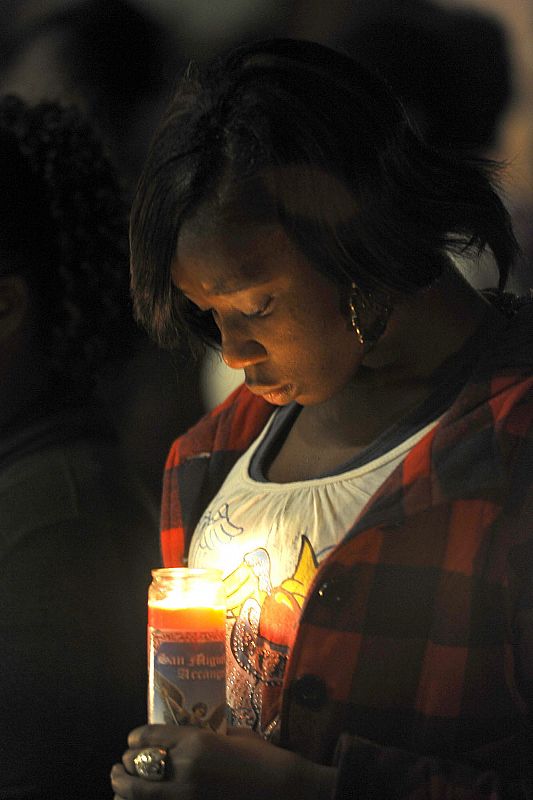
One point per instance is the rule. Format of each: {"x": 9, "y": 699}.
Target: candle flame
{"x": 201, "y": 592}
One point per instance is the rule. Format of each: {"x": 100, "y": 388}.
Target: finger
{"x": 128, "y": 760}
{"x": 155, "y": 735}
{"x": 121, "y": 782}
{"x": 130, "y": 787}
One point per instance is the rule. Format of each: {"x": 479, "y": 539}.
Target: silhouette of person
{"x": 76, "y": 535}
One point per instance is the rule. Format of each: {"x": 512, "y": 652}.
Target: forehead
{"x": 237, "y": 228}
{"x": 219, "y": 258}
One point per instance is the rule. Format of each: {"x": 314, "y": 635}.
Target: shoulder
{"x": 36, "y": 491}
{"x": 232, "y": 425}
{"x": 70, "y": 486}
{"x": 513, "y": 347}
{"x": 500, "y": 385}
{"x": 483, "y": 446}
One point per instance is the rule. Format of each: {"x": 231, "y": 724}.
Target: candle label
{"x": 187, "y": 678}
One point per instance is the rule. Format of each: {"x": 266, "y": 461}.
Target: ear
{"x": 14, "y": 304}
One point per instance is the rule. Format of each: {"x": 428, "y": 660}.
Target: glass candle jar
{"x": 186, "y": 648}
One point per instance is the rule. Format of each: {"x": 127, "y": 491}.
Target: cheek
{"x": 337, "y": 352}
{"x": 311, "y": 340}
{"x": 315, "y": 314}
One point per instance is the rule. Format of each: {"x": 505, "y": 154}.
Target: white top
{"x": 268, "y": 539}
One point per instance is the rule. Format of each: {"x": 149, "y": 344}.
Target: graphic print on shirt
{"x": 216, "y": 529}
{"x": 262, "y": 622}
{"x": 267, "y": 577}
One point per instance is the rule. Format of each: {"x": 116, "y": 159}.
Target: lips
{"x": 278, "y": 394}
{"x": 261, "y": 389}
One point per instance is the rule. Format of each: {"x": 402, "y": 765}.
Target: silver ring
{"x": 151, "y": 763}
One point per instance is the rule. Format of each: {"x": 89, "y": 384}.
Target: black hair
{"x": 64, "y": 229}
{"x": 294, "y": 132}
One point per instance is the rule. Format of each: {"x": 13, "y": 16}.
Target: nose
{"x": 238, "y": 349}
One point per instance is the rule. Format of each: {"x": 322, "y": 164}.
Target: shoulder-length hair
{"x": 295, "y": 133}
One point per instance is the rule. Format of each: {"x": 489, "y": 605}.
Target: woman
{"x": 75, "y": 532}
{"x": 367, "y": 492}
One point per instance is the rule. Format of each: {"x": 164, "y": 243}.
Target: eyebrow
{"x": 223, "y": 288}
{"x": 253, "y": 277}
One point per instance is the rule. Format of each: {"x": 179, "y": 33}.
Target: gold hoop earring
{"x": 354, "y": 316}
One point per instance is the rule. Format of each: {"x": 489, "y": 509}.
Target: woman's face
{"x": 280, "y": 320}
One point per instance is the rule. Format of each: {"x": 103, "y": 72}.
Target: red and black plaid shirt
{"x": 412, "y": 670}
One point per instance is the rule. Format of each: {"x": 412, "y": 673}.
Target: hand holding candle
{"x": 186, "y": 646}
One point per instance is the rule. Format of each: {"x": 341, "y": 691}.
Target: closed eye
{"x": 262, "y": 311}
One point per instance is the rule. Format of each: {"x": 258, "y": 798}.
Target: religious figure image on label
{"x": 187, "y": 679}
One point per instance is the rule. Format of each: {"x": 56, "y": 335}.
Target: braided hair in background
{"x": 64, "y": 228}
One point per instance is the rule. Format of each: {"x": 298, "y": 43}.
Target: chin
{"x": 311, "y": 399}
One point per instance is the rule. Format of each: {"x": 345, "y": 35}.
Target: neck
{"x": 423, "y": 332}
